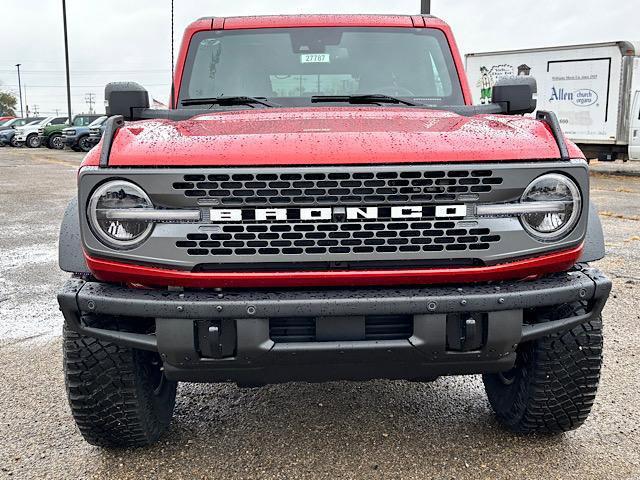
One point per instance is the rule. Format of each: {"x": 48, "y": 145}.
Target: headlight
{"x": 69, "y": 132}
{"x": 560, "y": 192}
{"x": 106, "y": 201}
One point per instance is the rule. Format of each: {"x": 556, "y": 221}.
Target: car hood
{"x": 77, "y": 130}
{"x": 29, "y": 129}
{"x": 55, "y": 128}
{"x": 330, "y": 135}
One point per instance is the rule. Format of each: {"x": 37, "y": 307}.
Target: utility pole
{"x": 20, "y": 89}
{"x": 66, "y": 57}
{"x": 90, "y": 98}
{"x": 36, "y": 110}
{"x": 425, "y": 7}
{"x": 57, "y": 114}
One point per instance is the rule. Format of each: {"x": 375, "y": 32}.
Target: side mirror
{"x": 121, "y": 98}
{"x": 516, "y": 95}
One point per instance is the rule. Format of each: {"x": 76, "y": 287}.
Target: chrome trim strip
{"x": 152, "y": 215}
{"x": 515, "y": 209}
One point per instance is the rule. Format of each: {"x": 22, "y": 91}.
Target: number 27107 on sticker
{"x": 315, "y": 58}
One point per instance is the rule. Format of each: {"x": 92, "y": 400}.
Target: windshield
{"x": 98, "y": 121}
{"x": 291, "y": 65}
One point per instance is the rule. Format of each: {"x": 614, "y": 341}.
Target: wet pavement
{"x": 375, "y": 429}
{"x": 618, "y": 168}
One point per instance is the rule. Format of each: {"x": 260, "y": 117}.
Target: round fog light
{"x": 565, "y": 201}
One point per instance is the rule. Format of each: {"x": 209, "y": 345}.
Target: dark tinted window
{"x": 83, "y": 120}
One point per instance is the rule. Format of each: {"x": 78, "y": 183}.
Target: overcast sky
{"x": 119, "y": 40}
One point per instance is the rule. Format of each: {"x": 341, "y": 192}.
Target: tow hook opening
{"x": 466, "y": 332}
{"x": 216, "y": 338}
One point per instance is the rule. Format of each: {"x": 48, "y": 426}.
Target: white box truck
{"x": 594, "y": 89}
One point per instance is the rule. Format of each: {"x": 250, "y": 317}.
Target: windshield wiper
{"x": 227, "y": 101}
{"x": 365, "y": 98}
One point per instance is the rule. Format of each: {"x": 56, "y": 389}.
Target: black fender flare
{"x": 70, "y": 254}
{"x": 594, "y": 239}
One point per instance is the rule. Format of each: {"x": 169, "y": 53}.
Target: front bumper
{"x": 70, "y": 141}
{"x": 214, "y": 336}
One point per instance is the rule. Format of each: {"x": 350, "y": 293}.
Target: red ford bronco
{"x": 323, "y": 202}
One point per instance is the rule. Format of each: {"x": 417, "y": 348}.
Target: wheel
{"x": 13, "y": 142}
{"x": 119, "y": 397}
{"x": 83, "y": 144}
{"x": 33, "y": 141}
{"x": 553, "y": 384}
{"x": 55, "y": 142}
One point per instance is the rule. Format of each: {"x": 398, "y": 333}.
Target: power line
{"x": 83, "y": 86}
{"x": 146, "y": 70}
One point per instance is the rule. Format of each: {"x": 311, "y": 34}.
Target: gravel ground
{"x": 337, "y": 430}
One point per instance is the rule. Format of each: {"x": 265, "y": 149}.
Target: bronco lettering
{"x": 337, "y": 213}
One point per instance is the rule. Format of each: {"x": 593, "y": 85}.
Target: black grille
{"x": 292, "y": 330}
{"x": 348, "y": 187}
{"x": 376, "y": 327}
{"x": 388, "y": 327}
{"x": 332, "y": 238}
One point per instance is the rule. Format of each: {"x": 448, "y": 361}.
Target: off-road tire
{"x": 118, "y": 396}
{"x": 54, "y": 142}
{"x": 32, "y": 141}
{"x": 553, "y": 385}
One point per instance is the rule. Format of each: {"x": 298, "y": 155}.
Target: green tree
{"x": 8, "y": 102}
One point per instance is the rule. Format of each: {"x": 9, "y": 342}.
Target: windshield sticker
{"x": 315, "y": 58}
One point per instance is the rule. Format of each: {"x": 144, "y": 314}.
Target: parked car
{"x": 5, "y": 119}
{"x": 78, "y": 138}
{"x": 51, "y": 135}
{"x": 95, "y": 134}
{"x": 355, "y": 218}
{"x": 18, "y": 122}
{"x": 8, "y": 132}
{"x": 29, "y": 136}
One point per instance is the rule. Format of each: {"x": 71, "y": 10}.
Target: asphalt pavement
{"x": 379, "y": 429}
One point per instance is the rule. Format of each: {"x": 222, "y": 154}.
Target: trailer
{"x": 593, "y": 88}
